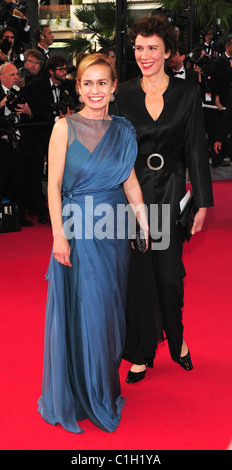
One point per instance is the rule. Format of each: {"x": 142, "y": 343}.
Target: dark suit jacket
{"x": 40, "y": 49}
{"x": 189, "y": 75}
{"x": 40, "y": 97}
{"x": 178, "y": 135}
{"x": 222, "y": 78}
{"x": 23, "y": 117}
{"x": 225, "y": 124}
{"x": 192, "y": 75}
{"x": 40, "y": 100}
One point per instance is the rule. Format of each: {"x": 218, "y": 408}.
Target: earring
{"x": 112, "y": 98}
{"x": 80, "y": 99}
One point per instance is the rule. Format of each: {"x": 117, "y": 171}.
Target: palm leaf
{"x": 74, "y": 46}
{"x": 85, "y": 15}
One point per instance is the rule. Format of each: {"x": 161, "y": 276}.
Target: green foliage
{"x": 100, "y": 21}
{"x": 74, "y": 46}
{"x": 206, "y": 12}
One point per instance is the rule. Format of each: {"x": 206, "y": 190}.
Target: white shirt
{"x": 56, "y": 92}
{"x": 182, "y": 74}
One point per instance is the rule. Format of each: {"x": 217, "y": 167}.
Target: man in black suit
{"x": 222, "y": 83}
{"x": 208, "y": 45}
{"x": 12, "y": 157}
{"x": 225, "y": 127}
{"x": 46, "y": 95}
{"x": 176, "y": 66}
{"x": 7, "y": 45}
{"x": 222, "y": 75}
{"x": 49, "y": 89}
{"x": 44, "y": 39}
{"x": 33, "y": 62}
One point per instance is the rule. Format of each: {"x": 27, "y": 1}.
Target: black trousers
{"x": 155, "y": 301}
{"x": 35, "y": 147}
{"x": 212, "y": 123}
{"x": 12, "y": 173}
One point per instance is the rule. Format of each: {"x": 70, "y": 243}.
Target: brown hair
{"x": 96, "y": 59}
{"x": 156, "y": 24}
{"x": 33, "y": 53}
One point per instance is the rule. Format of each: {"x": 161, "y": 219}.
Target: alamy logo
{"x": 106, "y": 221}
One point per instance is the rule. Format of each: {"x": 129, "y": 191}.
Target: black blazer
{"x": 190, "y": 74}
{"x": 178, "y": 135}
{"x": 24, "y": 117}
{"x": 40, "y": 97}
{"x": 225, "y": 125}
{"x": 222, "y": 78}
{"x": 2, "y": 96}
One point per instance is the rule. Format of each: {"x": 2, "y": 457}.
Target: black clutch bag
{"x": 185, "y": 221}
{"x": 138, "y": 240}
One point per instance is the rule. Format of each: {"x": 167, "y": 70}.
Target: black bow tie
{"x": 55, "y": 87}
{"x": 178, "y": 73}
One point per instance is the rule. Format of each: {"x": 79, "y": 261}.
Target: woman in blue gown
{"x": 91, "y": 176}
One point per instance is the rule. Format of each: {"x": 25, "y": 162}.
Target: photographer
{"x": 12, "y": 15}
{"x": 32, "y": 69}
{"x": 7, "y": 51}
{"x": 13, "y": 110}
{"x": 50, "y": 96}
{"x": 209, "y": 45}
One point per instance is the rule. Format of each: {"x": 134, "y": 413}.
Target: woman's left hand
{"x": 199, "y": 220}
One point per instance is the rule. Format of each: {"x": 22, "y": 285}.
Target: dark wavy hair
{"x": 156, "y": 24}
{"x": 54, "y": 62}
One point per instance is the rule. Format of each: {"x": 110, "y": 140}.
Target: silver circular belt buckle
{"x": 155, "y": 168}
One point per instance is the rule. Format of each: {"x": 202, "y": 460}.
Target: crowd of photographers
{"x": 34, "y": 92}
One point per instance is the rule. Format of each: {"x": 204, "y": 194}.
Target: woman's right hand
{"x": 61, "y": 250}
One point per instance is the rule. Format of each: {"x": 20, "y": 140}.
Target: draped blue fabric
{"x": 85, "y": 312}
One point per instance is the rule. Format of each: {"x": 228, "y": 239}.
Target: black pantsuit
{"x": 155, "y": 291}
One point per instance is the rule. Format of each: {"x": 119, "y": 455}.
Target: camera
{"x": 7, "y": 128}
{"x": 6, "y": 121}
{"x": 5, "y": 46}
{"x": 23, "y": 72}
{"x": 14, "y": 97}
{"x": 63, "y": 105}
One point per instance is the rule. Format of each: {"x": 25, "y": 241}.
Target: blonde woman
{"x": 91, "y": 175}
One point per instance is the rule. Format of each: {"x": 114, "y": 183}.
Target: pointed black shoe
{"x": 134, "y": 377}
{"x": 186, "y": 362}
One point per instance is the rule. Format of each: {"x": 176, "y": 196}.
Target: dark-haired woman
{"x": 167, "y": 115}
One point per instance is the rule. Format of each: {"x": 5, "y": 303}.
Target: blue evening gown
{"x": 85, "y": 312}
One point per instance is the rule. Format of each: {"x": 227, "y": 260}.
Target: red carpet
{"x": 171, "y": 409}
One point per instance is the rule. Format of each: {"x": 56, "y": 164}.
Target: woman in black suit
{"x": 167, "y": 115}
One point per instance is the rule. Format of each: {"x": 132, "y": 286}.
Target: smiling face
{"x": 95, "y": 87}
{"x": 150, "y": 54}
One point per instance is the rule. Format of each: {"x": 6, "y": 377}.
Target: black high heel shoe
{"x": 186, "y": 362}
{"x": 134, "y": 377}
